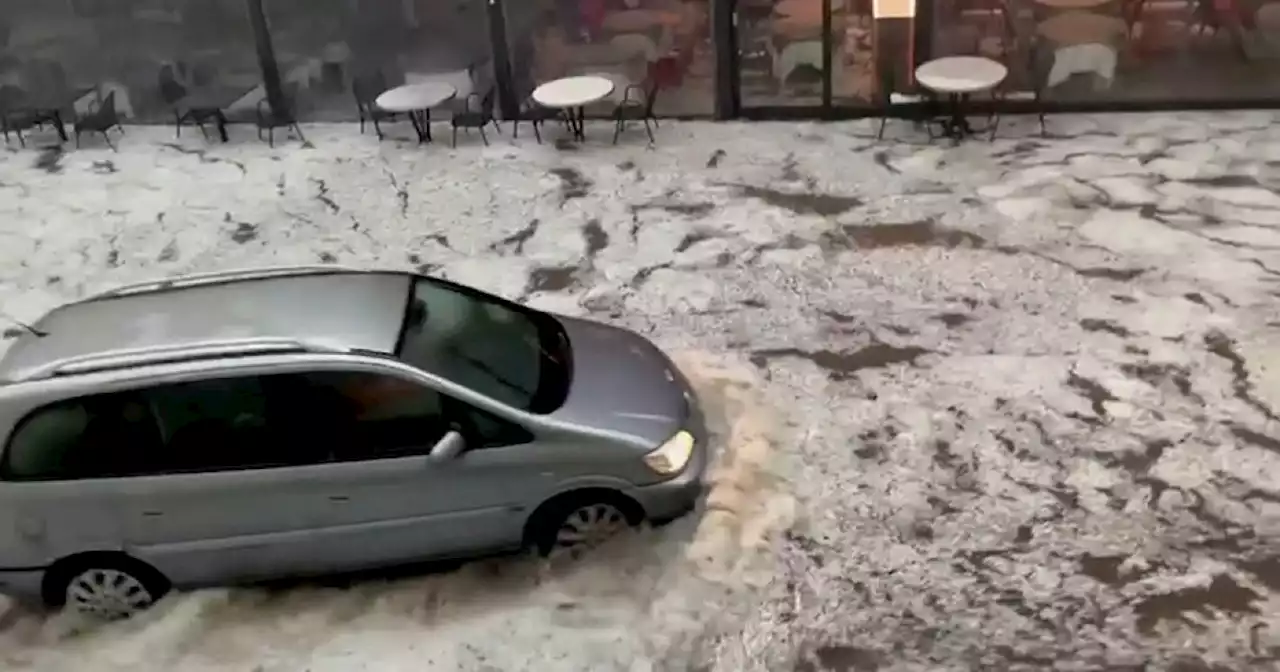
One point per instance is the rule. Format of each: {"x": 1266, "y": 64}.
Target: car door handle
{"x": 339, "y": 498}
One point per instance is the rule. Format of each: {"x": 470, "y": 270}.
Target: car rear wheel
{"x": 107, "y": 587}
{"x": 582, "y": 522}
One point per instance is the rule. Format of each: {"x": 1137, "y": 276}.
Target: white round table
{"x": 416, "y": 100}
{"x": 574, "y": 94}
{"x": 958, "y": 77}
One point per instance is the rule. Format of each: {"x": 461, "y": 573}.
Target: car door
{"x": 397, "y": 505}
{"x": 232, "y": 492}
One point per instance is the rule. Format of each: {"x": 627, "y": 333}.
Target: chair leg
{"x": 271, "y": 137}
{"x": 298, "y": 130}
{"x": 483, "y": 136}
{"x": 375, "y": 125}
{"x": 995, "y": 126}
{"x": 654, "y": 120}
{"x": 376, "y": 128}
{"x": 880, "y": 133}
{"x": 497, "y": 126}
{"x": 177, "y": 125}
{"x": 536, "y": 133}
{"x": 649, "y": 131}
{"x": 455, "y": 137}
{"x": 515, "y": 129}
{"x": 617, "y": 129}
{"x": 1044, "y": 131}
{"x": 107, "y": 139}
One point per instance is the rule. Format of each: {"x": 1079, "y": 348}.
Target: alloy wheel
{"x": 108, "y": 594}
{"x": 589, "y": 526}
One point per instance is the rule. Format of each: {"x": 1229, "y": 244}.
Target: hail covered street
{"x": 1006, "y": 405}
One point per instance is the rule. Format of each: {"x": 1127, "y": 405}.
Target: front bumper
{"x": 679, "y": 495}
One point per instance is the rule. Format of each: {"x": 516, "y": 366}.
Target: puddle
{"x": 694, "y": 210}
{"x": 1095, "y": 325}
{"x": 953, "y": 320}
{"x": 1093, "y": 391}
{"x": 924, "y": 233}
{"x": 595, "y": 236}
{"x": 516, "y": 241}
{"x": 573, "y": 184}
{"x": 842, "y": 658}
{"x": 244, "y": 232}
{"x": 50, "y": 160}
{"x": 801, "y": 203}
{"x": 1222, "y": 597}
{"x": 551, "y": 279}
{"x": 1222, "y": 346}
{"x": 842, "y": 365}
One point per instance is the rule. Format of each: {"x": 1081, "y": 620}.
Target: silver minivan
{"x": 265, "y": 423}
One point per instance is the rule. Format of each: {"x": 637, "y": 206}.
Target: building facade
{"x": 711, "y": 58}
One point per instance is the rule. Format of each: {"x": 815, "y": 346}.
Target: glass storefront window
{"x": 322, "y": 46}
{"x": 666, "y": 43}
{"x": 61, "y": 51}
{"x": 1122, "y": 50}
{"x": 853, "y": 65}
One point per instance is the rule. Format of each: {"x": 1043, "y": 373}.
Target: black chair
{"x": 536, "y": 115}
{"x": 366, "y": 89}
{"x": 471, "y": 117}
{"x": 917, "y": 105}
{"x": 13, "y": 117}
{"x": 173, "y": 94}
{"x": 637, "y": 105}
{"x": 1037, "y": 59}
{"x": 269, "y": 119}
{"x": 100, "y": 118}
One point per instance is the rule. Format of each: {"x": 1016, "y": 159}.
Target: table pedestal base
{"x": 421, "y": 120}
{"x": 576, "y": 118}
{"x": 956, "y": 125}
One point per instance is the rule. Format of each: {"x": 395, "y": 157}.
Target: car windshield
{"x": 496, "y": 348}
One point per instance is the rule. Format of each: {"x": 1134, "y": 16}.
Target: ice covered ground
{"x": 983, "y": 407}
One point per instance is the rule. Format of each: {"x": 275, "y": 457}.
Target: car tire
{"x": 579, "y": 521}
{"x": 104, "y": 586}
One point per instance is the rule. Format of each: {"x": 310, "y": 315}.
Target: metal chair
{"x": 100, "y": 118}
{"x": 637, "y": 108}
{"x": 269, "y": 119}
{"x": 366, "y": 89}
{"x": 475, "y": 118}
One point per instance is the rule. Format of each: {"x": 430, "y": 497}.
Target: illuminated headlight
{"x": 671, "y": 457}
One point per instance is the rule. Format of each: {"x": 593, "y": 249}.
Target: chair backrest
{"x": 170, "y": 90}
{"x": 1040, "y": 57}
{"x": 368, "y": 87}
{"x": 486, "y": 103}
{"x": 106, "y": 112}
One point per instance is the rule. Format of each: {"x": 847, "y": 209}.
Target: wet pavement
{"x": 1026, "y": 391}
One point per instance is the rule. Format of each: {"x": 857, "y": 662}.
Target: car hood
{"x": 621, "y": 383}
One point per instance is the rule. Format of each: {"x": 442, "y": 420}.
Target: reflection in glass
{"x": 323, "y": 46}
{"x": 640, "y": 43}
{"x": 853, "y": 68}
{"x": 1108, "y": 50}
{"x": 67, "y": 54}
{"x": 780, "y": 52}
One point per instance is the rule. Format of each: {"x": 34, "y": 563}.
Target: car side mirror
{"x": 448, "y": 448}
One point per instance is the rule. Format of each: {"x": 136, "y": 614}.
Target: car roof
{"x": 340, "y": 311}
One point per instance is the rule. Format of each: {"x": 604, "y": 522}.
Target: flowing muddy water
{"x": 657, "y": 599}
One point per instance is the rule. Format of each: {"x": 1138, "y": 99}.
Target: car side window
{"x": 483, "y": 429}
{"x": 223, "y": 424}
{"x": 99, "y": 436}
{"x": 369, "y": 416}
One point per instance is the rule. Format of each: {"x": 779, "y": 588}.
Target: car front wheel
{"x": 582, "y": 522}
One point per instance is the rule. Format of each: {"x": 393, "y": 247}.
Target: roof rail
{"x": 122, "y": 359}
{"x": 215, "y": 277}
